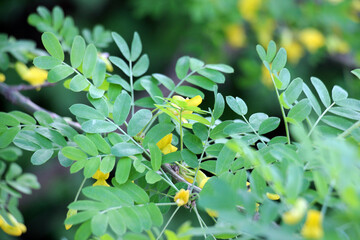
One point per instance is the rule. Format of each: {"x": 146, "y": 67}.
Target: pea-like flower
{"x": 189, "y": 102}
{"x": 296, "y": 213}
{"x": 182, "y": 197}
{"x": 2, "y": 77}
{"x": 312, "y": 38}
{"x": 235, "y": 35}
{"x": 272, "y": 196}
{"x": 13, "y": 229}
{"x": 165, "y": 144}
{"x": 33, "y": 75}
{"x": 70, "y": 213}
{"x": 312, "y": 228}
{"x": 101, "y": 178}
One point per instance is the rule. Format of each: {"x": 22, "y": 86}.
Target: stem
{"x": 350, "y": 129}
{"x": 203, "y": 222}
{"x": 181, "y": 131}
{"x": 181, "y": 81}
{"x": 172, "y": 216}
{"x": 327, "y": 198}
{"x": 132, "y": 89}
{"x": 282, "y": 110}
{"x": 78, "y": 192}
{"x": 320, "y": 117}
{"x": 253, "y": 130}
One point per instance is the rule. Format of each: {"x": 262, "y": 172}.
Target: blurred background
{"x": 321, "y": 38}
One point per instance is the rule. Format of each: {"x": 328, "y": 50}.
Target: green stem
{"x": 320, "y": 117}
{"x": 350, "y": 129}
{"x": 282, "y": 109}
{"x": 78, "y": 192}
{"x": 132, "y": 89}
{"x": 181, "y": 82}
{"x": 181, "y": 131}
{"x": 253, "y": 129}
{"x": 172, "y": 216}
{"x": 202, "y": 221}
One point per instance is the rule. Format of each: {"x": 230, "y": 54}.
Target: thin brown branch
{"x": 16, "y": 98}
{"x": 26, "y": 87}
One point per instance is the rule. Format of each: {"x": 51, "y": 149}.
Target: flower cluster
{"x": 14, "y": 228}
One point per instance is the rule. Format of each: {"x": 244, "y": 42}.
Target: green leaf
{"x": 77, "y": 51}
{"x": 193, "y": 143}
{"x": 213, "y": 75}
{"x": 136, "y": 47}
{"x": 140, "y": 119}
{"x": 157, "y": 132}
{"x": 91, "y": 166}
{"x": 156, "y": 216}
{"x": 52, "y": 45}
{"x": 87, "y": 112}
{"x": 117, "y": 222}
{"x": 123, "y": 168}
{"x": 321, "y": 90}
{"x": 196, "y": 118}
{"x": 218, "y": 131}
{"x": 98, "y": 126}
{"x": 58, "y": 17}
{"x": 121, "y": 64}
{"x": 219, "y": 106}
{"x": 294, "y": 181}
{"x": 200, "y": 130}
{"x": 78, "y": 83}
{"x": 165, "y": 80}
{"x": 152, "y": 177}
{"x": 46, "y": 62}
{"x": 80, "y": 217}
{"x": 338, "y": 93}
{"x": 10, "y": 154}
{"x": 59, "y": 72}
{"x": 294, "y": 90}
{"x": 351, "y": 103}
{"x": 83, "y": 232}
{"x": 156, "y": 157}
{"x": 153, "y": 90}
{"x": 345, "y": 112}
{"x": 189, "y": 92}
{"x": 356, "y": 72}
{"x": 73, "y": 153}
{"x": 269, "y": 125}
{"x": 202, "y": 82}
{"x": 125, "y": 149}
{"x": 224, "y": 161}
{"x": 279, "y": 61}
{"x": 107, "y": 164}
{"x": 43, "y": 118}
{"x": 22, "y": 117}
{"x": 122, "y": 45}
{"x": 116, "y": 79}
{"x": 141, "y": 66}
{"x": 100, "y": 142}
{"x": 135, "y": 192}
{"x": 237, "y": 105}
{"x": 257, "y": 183}
{"x": 89, "y": 61}
{"x": 86, "y": 145}
{"x": 271, "y": 51}
{"x": 313, "y": 101}
{"x": 41, "y": 156}
{"x": 284, "y": 77}
{"x": 220, "y": 67}
{"x": 96, "y": 92}
{"x": 182, "y": 67}
{"x": 8, "y": 119}
{"x": 121, "y": 108}
{"x": 196, "y": 64}
{"x": 189, "y": 158}
{"x": 300, "y": 111}
{"x": 261, "y": 52}
{"x": 98, "y": 75}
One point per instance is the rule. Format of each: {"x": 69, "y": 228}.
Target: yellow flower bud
{"x": 296, "y": 213}
{"x": 313, "y": 225}
{"x": 15, "y": 229}
{"x": 182, "y": 197}
{"x": 35, "y": 76}
{"x": 212, "y": 213}
{"x": 165, "y": 144}
{"x": 101, "y": 178}
{"x": 70, "y": 213}
{"x": 2, "y": 77}
{"x": 272, "y": 196}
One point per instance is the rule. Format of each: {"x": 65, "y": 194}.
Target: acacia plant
{"x": 164, "y": 150}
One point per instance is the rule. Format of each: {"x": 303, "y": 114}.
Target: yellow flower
{"x": 249, "y": 8}
{"x": 101, "y": 178}
{"x": 336, "y": 45}
{"x": 105, "y": 58}
{"x": 70, "y": 213}
{"x": 212, "y": 213}
{"x": 35, "y": 76}
{"x": 165, "y": 144}
{"x": 235, "y": 35}
{"x": 313, "y": 225}
{"x": 264, "y": 30}
{"x": 15, "y": 229}
{"x": 265, "y": 77}
{"x": 293, "y": 49}
{"x": 2, "y": 77}
{"x": 182, "y": 197}
{"x": 296, "y": 213}
{"x": 272, "y": 196}
{"x": 203, "y": 182}
{"x": 312, "y": 38}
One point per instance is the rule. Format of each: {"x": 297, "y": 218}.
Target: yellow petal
{"x": 312, "y": 38}
{"x": 182, "y": 197}
{"x": 35, "y": 76}
{"x": 296, "y": 213}
{"x": 272, "y": 196}
{"x": 70, "y": 213}
{"x": 194, "y": 102}
{"x": 101, "y": 182}
{"x": 165, "y": 141}
{"x": 203, "y": 182}
{"x": 99, "y": 175}
{"x": 235, "y": 35}
{"x": 2, "y": 77}
{"x": 21, "y": 69}
{"x": 313, "y": 225}
{"x": 212, "y": 213}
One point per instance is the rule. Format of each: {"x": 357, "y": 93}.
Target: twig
{"x": 16, "y": 98}
{"x": 25, "y": 87}
{"x": 177, "y": 177}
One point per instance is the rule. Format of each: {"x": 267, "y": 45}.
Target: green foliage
{"x": 170, "y": 144}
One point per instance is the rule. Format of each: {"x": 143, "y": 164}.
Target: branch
{"x": 25, "y": 87}
{"x": 16, "y": 98}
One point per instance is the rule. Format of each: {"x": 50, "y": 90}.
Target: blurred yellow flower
{"x": 182, "y": 197}
{"x": 212, "y": 213}
{"x": 15, "y": 229}
{"x": 101, "y": 178}
{"x": 105, "y": 58}
{"x": 249, "y": 8}
{"x": 70, "y": 213}
{"x": 2, "y": 77}
{"x": 265, "y": 77}
{"x": 313, "y": 225}
{"x": 272, "y": 196}
{"x": 336, "y": 45}
{"x": 235, "y": 35}
{"x": 165, "y": 144}
{"x": 33, "y": 75}
{"x": 293, "y": 49}
{"x": 312, "y": 38}
{"x": 203, "y": 182}
{"x": 296, "y": 213}
{"x": 264, "y": 30}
